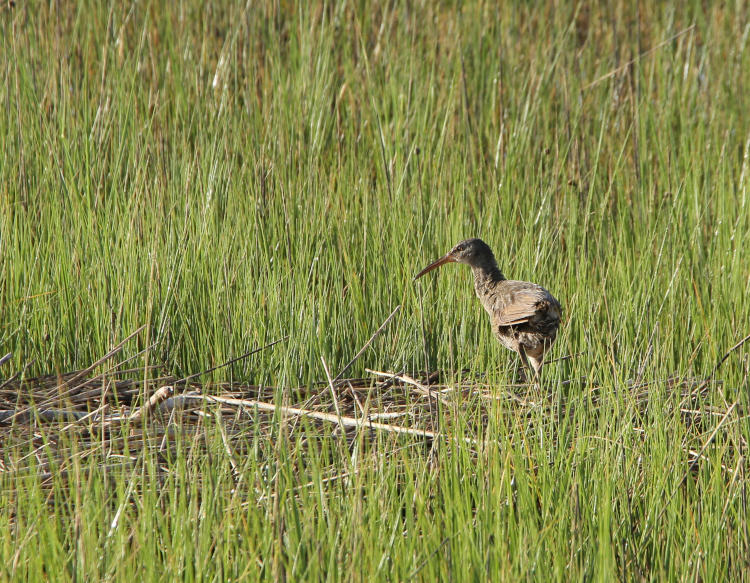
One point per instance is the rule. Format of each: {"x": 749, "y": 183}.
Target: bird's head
{"x": 474, "y": 252}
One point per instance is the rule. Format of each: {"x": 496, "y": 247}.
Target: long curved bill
{"x": 435, "y": 264}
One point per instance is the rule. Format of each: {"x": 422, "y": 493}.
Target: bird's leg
{"x": 537, "y": 363}
{"x": 534, "y": 367}
{"x": 525, "y": 363}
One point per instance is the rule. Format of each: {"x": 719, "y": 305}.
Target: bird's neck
{"x": 486, "y": 274}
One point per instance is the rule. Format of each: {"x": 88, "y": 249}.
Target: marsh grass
{"x": 228, "y": 175}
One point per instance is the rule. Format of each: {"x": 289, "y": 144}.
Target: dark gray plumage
{"x": 525, "y": 316}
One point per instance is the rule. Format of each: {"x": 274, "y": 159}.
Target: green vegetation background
{"x": 229, "y": 174}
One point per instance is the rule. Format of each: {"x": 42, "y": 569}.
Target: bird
{"x": 525, "y": 317}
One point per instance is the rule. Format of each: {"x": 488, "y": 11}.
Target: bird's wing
{"x": 521, "y": 304}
